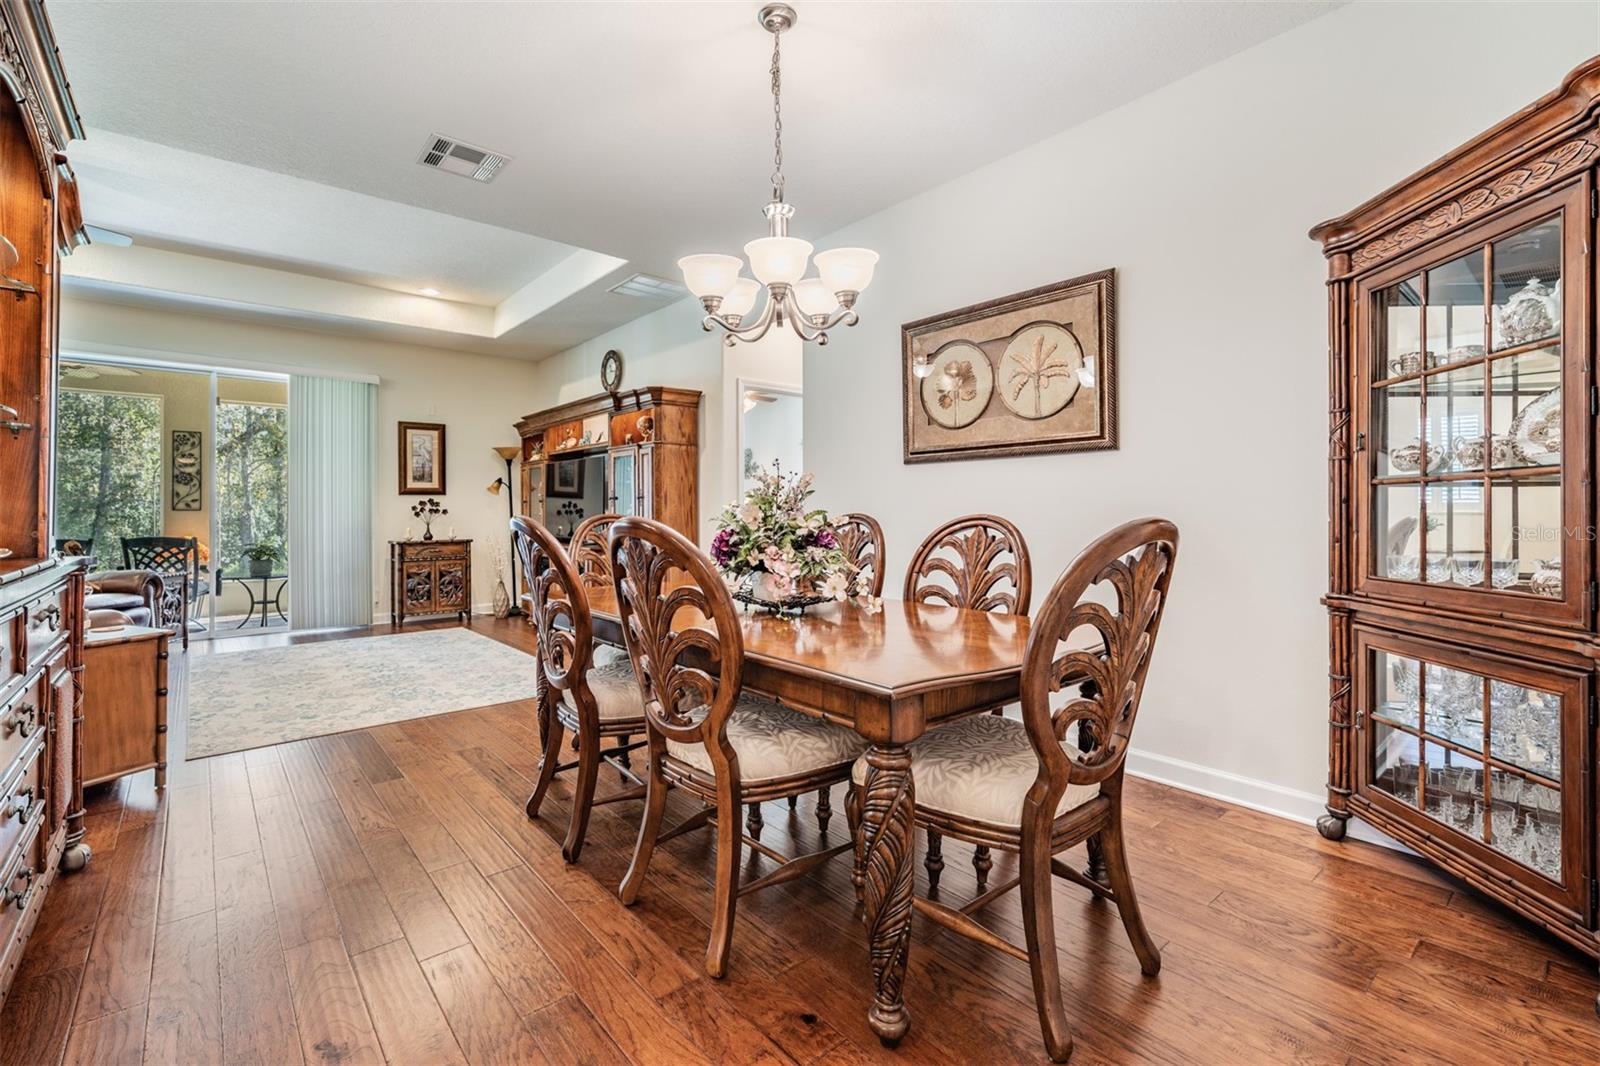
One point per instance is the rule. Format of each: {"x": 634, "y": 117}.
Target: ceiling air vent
{"x": 649, "y": 287}
{"x": 468, "y": 161}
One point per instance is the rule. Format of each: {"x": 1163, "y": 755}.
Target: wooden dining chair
{"x": 707, "y": 736}
{"x": 861, "y": 540}
{"x": 591, "y": 690}
{"x": 979, "y": 562}
{"x": 591, "y": 552}
{"x": 1035, "y": 788}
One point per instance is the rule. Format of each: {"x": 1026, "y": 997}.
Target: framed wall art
{"x": 1027, "y": 373}
{"x": 565, "y": 479}
{"x": 421, "y": 458}
{"x": 186, "y": 470}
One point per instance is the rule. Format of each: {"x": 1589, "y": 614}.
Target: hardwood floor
{"x": 380, "y": 896}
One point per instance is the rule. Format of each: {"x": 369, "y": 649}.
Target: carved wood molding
{"x": 1552, "y": 165}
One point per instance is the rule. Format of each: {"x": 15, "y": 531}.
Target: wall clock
{"x": 611, "y": 371}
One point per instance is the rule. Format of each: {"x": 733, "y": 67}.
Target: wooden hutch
{"x": 41, "y": 598}
{"x": 649, "y": 439}
{"x": 1462, "y": 565}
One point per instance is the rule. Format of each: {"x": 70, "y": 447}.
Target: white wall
{"x": 479, "y": 398}
{"x": 668, "y": 347}
{"x": 1200, "y": 194}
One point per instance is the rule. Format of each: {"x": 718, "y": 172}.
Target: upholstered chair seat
{"x": 978, "y": 769}
{"x": 773, "y": 741}
{"x": 616, "y": 693}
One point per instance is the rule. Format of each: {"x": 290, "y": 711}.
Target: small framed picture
{"x": 421, "y": 458}
{"x": 565, "y": 479}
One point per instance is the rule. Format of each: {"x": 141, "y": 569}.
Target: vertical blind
{"x": 332, "y": 475}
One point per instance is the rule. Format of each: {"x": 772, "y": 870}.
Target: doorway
{"x": 770, "y": 430}
{"x": 184, "y": 470}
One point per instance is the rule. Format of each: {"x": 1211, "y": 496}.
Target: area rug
{"x": 248, "y": 699}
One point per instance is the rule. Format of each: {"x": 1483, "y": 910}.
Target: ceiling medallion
{"x": 809, "y": 306}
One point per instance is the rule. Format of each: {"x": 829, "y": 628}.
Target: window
{"x": 108, "y": 469}
{"x": 252, "y": 477}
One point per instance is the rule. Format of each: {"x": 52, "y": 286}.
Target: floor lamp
{"x": 509, "y": 453}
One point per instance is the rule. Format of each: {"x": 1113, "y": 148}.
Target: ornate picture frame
{"x": 421, "y": 458}
{"x": 1025, "y": 374}
{"x": 187, "y": 470}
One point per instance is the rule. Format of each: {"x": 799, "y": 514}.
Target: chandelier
{"x": 809, "y": 306}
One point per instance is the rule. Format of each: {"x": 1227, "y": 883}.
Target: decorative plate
{"x": 1039, "y": 370}
{"x": 959, "y": 388}
{"x": 1536, "y": 431}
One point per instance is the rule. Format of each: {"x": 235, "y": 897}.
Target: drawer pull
{"x": 9, "y": 896}
{"x": 23, "y": 718}
{"x": 22, "y": 805}
{"x": 48, "y": 615}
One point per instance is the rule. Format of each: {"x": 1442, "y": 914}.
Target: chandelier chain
{"x": 777, "y": 118}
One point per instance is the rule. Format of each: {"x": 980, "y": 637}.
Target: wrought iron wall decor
{"x": 186, "y": 470}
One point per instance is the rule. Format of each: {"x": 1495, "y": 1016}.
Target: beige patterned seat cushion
{"x": 980, "y": 769}
{"x": 774, "y": 741}
{"x": 616, "y": 690}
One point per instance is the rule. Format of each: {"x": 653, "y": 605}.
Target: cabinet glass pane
{"x": 1399, "y": 679}
{"x": 1394, "y": 763}
{"x": 1397, "y": 429}
{"x": 1453, "y": 790}
{"x": 1453, "y": 708}
{"x": 1396, "y": 510}
{"x": 1526, "y": 408}
{"x": 1527, "y": 285}
{"x": 623, "y": 493}
{"x": 1455, "y": 310}
{"x": 1527, "y": 536}
{"x": 1399, "y": 340}
{"x": 1455, "y": 419}
{"x": 1525, "y": 728}
{"x": 1525, "y": 822}
{"x": 1455, "y": 533}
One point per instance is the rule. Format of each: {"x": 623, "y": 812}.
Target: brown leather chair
{"x": 135, "y": 593}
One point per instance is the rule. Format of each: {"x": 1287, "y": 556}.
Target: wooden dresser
{"x": 41, "y": 795}
{"x": 41, "y": 598}
{"x": 429, "y": 577}
{"x": 125, "y": 703}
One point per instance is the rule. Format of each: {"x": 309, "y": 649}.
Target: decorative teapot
{"x": 1532, "y": 313}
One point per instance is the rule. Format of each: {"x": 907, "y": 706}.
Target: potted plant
{"x": 777, "y": 554}
{"x": 262, "y": 558}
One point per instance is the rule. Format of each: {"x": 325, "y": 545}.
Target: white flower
{"x": 750, "y": 514}
{"x": 836, "y": 587}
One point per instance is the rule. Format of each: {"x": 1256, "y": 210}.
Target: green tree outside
{"x": 252, "y": 478}
{"x": 108, "y": 468}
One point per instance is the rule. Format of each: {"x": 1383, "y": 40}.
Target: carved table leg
{"x": 887, "y": 847}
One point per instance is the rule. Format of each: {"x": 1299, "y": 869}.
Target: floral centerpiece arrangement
{"x": 777, "y": 553}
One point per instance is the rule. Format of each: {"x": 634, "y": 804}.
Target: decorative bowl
{"x": 751, "y": 590}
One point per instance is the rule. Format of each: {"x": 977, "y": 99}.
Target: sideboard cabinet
{"x": 429, "y": 577}
{"x": 1463, "y": 647}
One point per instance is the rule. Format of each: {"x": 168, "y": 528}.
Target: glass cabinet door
{"x": 1467, "y": 489}
{"x": 1483, "y": 747}
{"x": 621, "y": 483}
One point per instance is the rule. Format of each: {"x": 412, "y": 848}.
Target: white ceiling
{"x": 285, "y": 134}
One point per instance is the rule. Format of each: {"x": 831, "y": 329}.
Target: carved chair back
{"x": 591, "y": 550}
{"x": 977, "y": 561}
{"x": 861, "y": 540}
{"x": 683, "y": 635}
{"x": 557, "y": 605}
{"x": 1132, "y": 567}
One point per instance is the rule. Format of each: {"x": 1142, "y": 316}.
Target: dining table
{"x": 890, "y": 670}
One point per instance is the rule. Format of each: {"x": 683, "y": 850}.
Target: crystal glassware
{"x": 1403, "y": 567}
{"x": 1438, "y": 571}
{"x": 1467, "y": 571}
{"x": 1505, "y": 573}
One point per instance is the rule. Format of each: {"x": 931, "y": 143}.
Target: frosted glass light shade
{"x": 814, "y": 297}
{"x": 778, "y": 260}
{"x": 741, "y": 298}
{"x": 846, "y": 269}
{"x": 709, "y": 275}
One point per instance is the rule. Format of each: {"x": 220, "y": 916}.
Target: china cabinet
{"x": 429, "y": 577}
{"x": 1462, "y": 595}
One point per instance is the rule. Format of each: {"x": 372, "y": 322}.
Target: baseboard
{"x": 1263, "y": 796}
